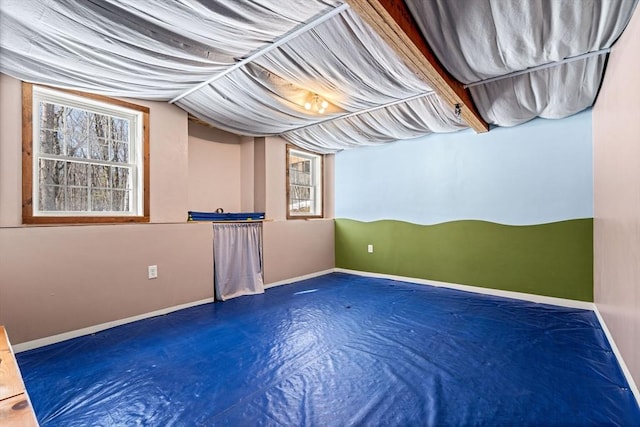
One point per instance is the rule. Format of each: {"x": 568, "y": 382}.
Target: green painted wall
{"x": 553, "y": 259}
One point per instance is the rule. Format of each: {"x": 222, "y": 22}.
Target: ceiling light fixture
{"x": 316, "y": 103}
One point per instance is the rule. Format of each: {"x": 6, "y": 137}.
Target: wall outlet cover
{"x": 153, "y": 271}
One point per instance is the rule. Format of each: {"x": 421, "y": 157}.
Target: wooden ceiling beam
{"x": 393, "y": 22}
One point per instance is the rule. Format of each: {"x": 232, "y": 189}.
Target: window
{"x": 304, "y": 184}
{"x": 85, "y": 158}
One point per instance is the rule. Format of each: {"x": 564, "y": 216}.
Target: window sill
{"x": 82, "y": 220}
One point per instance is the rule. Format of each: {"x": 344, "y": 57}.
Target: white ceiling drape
{"x": 406, "y": 120}
{"x": 341, "y": 60}
{"x": 161, "y": 49}
{"x": 521, "y": 34}
{"x": 551, "y": 93}
{"x": 139, "y": 48}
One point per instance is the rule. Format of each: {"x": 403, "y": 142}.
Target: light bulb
{"x": 316, "y": 104}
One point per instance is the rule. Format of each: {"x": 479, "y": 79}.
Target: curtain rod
{"x": 540, "y": 67}
{"x": 282, "y": 40}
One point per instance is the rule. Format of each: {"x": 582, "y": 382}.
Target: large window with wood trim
{"x": 304, "y": 183}
{"x": 85, "y": 158}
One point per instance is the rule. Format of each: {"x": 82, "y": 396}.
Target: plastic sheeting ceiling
{"x": 158, "y": 50}
{"x": 339, "y": 350}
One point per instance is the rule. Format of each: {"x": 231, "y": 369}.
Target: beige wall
{"x": 293, "y": 247}
{"x": 296, "y": 248}
{"x": 616, "y": 138}
{"x": 275, "y": 178}
{"x": 62, "y": 278}
{"x": 214, "y": 169}
{"x": 10, "y": 152}
{"x": 247, "y": 167}
{"x": 259, "y": 176}
{"x": 59, "y": 279}
{"x": 169, "y": 154}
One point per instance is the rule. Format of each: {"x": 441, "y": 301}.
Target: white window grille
{"x": 87, "y": 156}
{"x": 304, "y": 192}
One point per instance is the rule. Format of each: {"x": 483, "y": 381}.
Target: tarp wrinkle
{"x": 339, "y": 350}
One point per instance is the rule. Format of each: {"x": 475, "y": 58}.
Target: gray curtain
{"x": 237, "y": 254}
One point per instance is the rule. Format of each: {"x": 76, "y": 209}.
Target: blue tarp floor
{"x": 338, "y": 350}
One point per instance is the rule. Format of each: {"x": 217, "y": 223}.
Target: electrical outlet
{"x": 153, "y": 271}
{"x": 370, "y": 249}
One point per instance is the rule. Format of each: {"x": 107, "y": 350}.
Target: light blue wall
{"x": 535, "y": 173}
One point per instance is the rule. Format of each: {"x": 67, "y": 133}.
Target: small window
{"x": 304, "y": 184}
{"x": 85, "y": 158}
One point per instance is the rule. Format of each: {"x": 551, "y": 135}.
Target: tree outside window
{"x": 85, "y": 158}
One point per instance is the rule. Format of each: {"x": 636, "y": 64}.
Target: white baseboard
{"x": 41, "y": 342}
{"x": 299, "y": 278}
{"x": 616, "y": 351}
{"x": 478, "y": 290}
{"x": 487, "y": 291}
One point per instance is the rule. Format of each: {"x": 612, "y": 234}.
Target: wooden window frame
{"x": 288, "y": 186}
{"x": 27, "y": 163}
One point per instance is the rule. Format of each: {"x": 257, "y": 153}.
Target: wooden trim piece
{"x": 11, "y": 382}
{"x": 146, "y": 166}
{"x": 27, "y": 151}
{"x": 200, "y": 122}
{"x": 84, "y": 219}
{"x": 393, "y": 22}
{"x": 287, "y": 181}
{"x": 96, "y": 97}
{"x": 15, "y": 409}
{"x": 27, "y": 163}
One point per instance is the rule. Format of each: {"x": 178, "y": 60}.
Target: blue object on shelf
{"x": 225, "y": 216}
